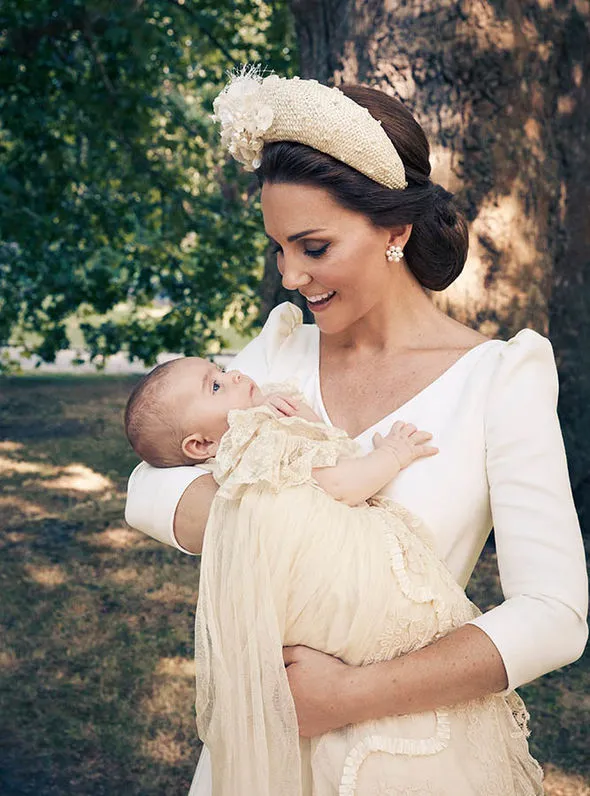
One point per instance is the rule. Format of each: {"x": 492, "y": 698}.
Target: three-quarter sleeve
{"x": 154, "y": 493}
{"x": 541, "y": 625}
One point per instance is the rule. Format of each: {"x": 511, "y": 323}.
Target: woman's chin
{"x": 334, "y": 322}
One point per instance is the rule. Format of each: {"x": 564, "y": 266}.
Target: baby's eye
{"x": 216, "y": 385}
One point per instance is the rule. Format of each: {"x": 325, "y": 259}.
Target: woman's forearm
{"x": 329, "y": 694}
{"x": 192, "y": 513}
{"x": 461, "y": 666}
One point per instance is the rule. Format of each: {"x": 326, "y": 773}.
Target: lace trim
{"x": 393, "y": 746}
{"x": 410, "y": 553}
{"x": 259, "y": 448}
{"x": 520, "y": 715}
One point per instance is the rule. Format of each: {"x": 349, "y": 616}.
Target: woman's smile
{"x": 320, "y": 301}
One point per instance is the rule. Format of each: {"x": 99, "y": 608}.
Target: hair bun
{"x": 437, "y": 248}
{"x": 443, "y": 204}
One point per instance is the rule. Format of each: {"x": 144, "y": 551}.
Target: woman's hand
{"x": 330, "y": 694}
{"x": 325, "y": 690}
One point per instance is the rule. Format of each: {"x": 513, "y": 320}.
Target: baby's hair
{"x": 150, "y": 428}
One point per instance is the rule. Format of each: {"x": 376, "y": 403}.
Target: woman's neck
{"x": 404, "y": 319}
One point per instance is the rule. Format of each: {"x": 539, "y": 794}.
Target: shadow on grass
{"x": 96, "y": 677}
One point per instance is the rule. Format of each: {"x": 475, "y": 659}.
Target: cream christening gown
{"x": 285, "y": 563}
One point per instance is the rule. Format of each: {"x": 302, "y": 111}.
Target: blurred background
{"x": 126, "y": 234}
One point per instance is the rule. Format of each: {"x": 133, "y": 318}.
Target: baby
{"x": 178, "y": 413}
{"x": 283, "y": 563}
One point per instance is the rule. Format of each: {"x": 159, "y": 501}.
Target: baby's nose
{"x": 235, "y": 376}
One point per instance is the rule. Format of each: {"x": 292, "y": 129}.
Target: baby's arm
{"x": 353, "y": 481}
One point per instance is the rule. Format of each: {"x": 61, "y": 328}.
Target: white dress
{"x": 501, "y": 463}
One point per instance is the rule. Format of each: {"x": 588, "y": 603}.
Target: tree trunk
{"x": 502, "y": 88}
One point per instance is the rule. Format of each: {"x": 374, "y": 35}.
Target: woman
{"x": 361, "y": 231}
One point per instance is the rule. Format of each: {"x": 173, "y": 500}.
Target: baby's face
{"x": 204, "y": 394}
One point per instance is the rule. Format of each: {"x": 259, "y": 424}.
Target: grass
{"x": 96, "y": 680}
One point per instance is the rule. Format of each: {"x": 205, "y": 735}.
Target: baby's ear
{"x": 198, "y": 449}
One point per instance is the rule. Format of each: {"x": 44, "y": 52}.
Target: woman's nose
{"x": 293, "y": 277}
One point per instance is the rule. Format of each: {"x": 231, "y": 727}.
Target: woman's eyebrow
{"x": 297, "y": 235}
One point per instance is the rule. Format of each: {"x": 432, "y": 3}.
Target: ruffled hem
{"x": 414, "y": 747}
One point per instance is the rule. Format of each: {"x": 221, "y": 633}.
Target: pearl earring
{"x": 394, "y": 253}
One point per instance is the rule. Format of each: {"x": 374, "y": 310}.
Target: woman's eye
{"x": 308, "y": 252}
{"x": 316, "y": 252}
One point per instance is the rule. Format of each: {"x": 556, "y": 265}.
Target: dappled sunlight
{"x": 15, "y": 537}
{"x": 12, "y": 507}
{"x": 560, "y": 783}
{"x": 176, "y": 667}
{"x": 503, "y": 268}
{"x": 119, "y": 538}
{"x": 169, "y": 695}
{"x": 47, "y": 575}
{"x": 80, "y": 478}
{"x": 8, "y": 446}
{"x": 483, "y": 20}
{"x": 173, "y": 593}
{"x": 165, "y": 748}
{"x": 13, "y": 466}
{"x": 566, "y": 105}
{"x": 8, "y": 660}
{"x": 444, "y": 170}
{"x": 574, "y": 700}
{"x": 124, "y": 575}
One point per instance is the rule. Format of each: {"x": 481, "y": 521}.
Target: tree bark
{"x": 502, "y": 88}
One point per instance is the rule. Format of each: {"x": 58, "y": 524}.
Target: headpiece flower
{"x": 244, "y": 116}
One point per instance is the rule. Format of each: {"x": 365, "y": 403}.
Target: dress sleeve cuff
{"x": 152, "y": 497}
{"x": 533, "y": 635}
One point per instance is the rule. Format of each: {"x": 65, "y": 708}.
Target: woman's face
{"x": 332, "y": 256}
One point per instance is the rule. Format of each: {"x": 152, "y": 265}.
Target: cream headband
{"x": 254, "y": 110}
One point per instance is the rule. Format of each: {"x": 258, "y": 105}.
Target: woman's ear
{"x": 399, "y": 236}
{"x": 198, "y": 449}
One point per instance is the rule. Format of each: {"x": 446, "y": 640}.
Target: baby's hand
{"x": 282, "y": 405}
{"x": 406, "y": 442}
{"x": 288, "y": 406}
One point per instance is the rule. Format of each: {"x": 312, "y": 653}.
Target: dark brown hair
{"x": 437, "y": 248}
{"x": 149, "y": 425}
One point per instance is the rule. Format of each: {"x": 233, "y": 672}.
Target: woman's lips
{"x": 318, "y": 306}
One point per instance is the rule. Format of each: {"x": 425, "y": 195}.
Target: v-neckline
{"x": 420, "y": 393}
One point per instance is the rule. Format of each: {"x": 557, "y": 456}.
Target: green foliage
{"x": 113, "y": 187}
